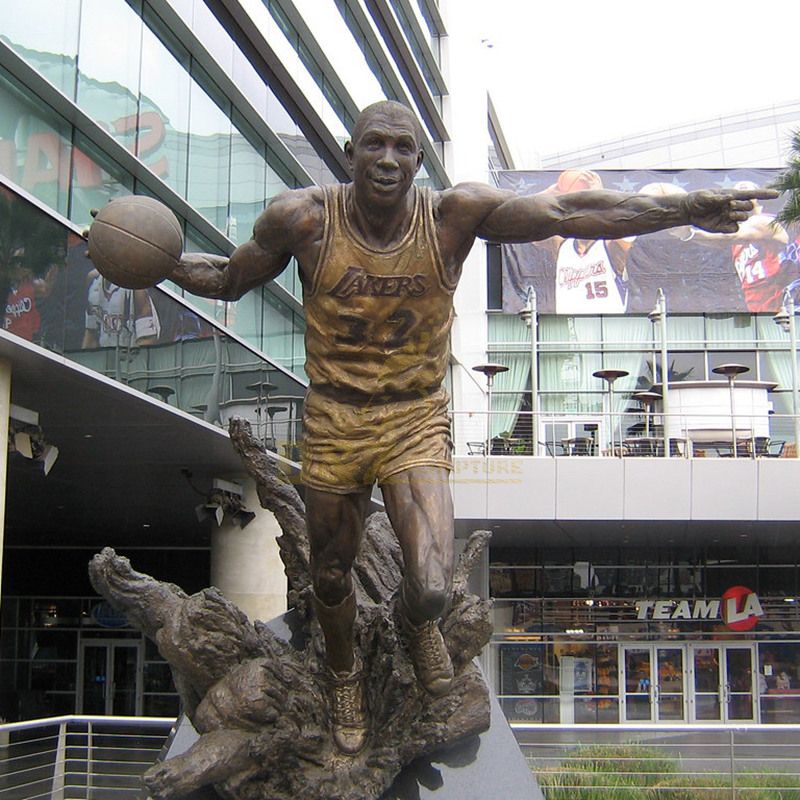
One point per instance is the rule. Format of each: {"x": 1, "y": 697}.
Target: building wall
{"x": 604, "y": 566}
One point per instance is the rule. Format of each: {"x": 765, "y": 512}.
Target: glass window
{"x": 209, "y": 154}
{"x": 109, "y": 66}
{"x": 162, "y": 131}
{"x": 684, "y": 366}
{"x": 279, "y": 330}
{"x": 214, "y": 37}
{"x": 573, "y": 331}
{"x": 779, "y": 682}
{"x": 748, "y": 359}
{"x": 248, "y": 174}
{"x": 244, "y": 317}
{"x": 685, "y": 329}
{"x": 344, "y": 47}
{"x": 567, "y": 372}
{"x": 45, "y": 34}
{"x": 247, "y": 79}
{"x": 95, "y": 180}
{"x": 34, "y": 145}
{"x": 730, "y": 330}
{"x": 290, "y": 280}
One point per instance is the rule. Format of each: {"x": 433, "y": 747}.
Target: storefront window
{"x": 779, "y": 682}
{"x": 567, "y": 683}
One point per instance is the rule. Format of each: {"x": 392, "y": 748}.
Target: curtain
{"x": 507, "y": 391}
{"x": 779, "y": 364}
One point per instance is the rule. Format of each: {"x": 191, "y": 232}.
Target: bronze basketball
{"x": 135, "y": 241}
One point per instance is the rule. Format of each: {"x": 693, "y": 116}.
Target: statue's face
{"x": 384, "y": 158}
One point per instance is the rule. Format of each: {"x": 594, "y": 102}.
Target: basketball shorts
{"x": 349, "y": 446}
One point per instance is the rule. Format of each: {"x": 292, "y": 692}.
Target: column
{"x": 466, "y": 115}
{"x": 245, "y": 562}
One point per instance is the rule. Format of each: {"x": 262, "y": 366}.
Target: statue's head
{"x": 385, "y": 152}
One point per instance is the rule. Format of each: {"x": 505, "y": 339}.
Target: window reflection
{"x": 108, "y": 78}
{"x": 247, "y": 174}
{"x": 163, "y": 123}
{"x": 144, "y": 338}
{"x": 34, "y": 145}
{"x": 209, "y": 158}
{"x": 46, "y": 36}
{"x": 230, "y": 179}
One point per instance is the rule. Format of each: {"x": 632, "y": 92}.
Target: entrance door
{"x": 655, "y": 689}
{"x": 740, "y": 698}
{"x": 723, "y": 682}
{"x": 111, "y": 678}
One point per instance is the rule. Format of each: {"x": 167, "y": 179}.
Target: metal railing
{"x": 70, "y": 757}
{"x": 638, "y": 762}
{"x": 624, "y": 434}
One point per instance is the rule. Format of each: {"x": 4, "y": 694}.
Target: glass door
{"x": 740, "y": 705}
{"x": 110, "y": 678}
{"x": 654, "y": 681}
{"x": 707, "y": 683}
{"x": 671, "y": 688}
{"x": 637, "y": 665}
{"x": 723, "y": 683}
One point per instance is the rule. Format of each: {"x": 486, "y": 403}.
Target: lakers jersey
{"x": 586, "y": 282}
{"x": 378, "y": 321}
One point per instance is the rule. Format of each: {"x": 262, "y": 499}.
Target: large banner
{"x": 699, "y": 272}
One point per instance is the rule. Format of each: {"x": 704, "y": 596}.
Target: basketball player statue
{"x": 379, "y": 260}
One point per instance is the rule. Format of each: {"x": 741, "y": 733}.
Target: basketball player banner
{"x": 699, "y": 272}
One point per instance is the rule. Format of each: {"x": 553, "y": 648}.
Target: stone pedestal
{"x": 490, "y": 765}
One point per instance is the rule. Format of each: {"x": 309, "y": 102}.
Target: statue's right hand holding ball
{"x": 135, "y": 242}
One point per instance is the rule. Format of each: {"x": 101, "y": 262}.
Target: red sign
{"x": 741, "y": 608}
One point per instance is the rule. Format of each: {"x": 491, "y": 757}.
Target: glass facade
{"x": 61, "y": 655}
{"x": 171, "y": 117}
{"x": 658, "y": 637}
{"x": 571, "y": 349}
{"x": 419, "y": 48}
{"x": 145, "y": 338}
{"x": 151, "y": 95}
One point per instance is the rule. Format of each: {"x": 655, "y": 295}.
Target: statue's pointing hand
{"x": 721, "y": 210}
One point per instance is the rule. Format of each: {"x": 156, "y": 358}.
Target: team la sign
{"x": 739, "y": 608}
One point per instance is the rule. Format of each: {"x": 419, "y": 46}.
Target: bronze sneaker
{"x": 432, "y": 662}
{"x": 348, "y": 711}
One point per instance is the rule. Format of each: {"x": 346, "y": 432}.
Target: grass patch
{"x": 634, "y": 772}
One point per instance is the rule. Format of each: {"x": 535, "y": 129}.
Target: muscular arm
{"x": 470, "y": 210}
{"x": 288, "y": 226}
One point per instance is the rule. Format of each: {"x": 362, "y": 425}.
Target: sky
{"x": 570, "y": 73}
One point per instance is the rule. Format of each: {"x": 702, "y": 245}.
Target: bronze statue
{"x": 379, "y": 260}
